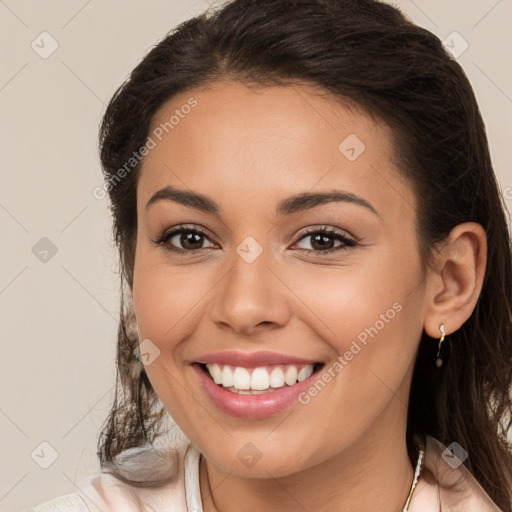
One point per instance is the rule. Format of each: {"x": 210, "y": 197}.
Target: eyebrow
{"x": 293, "y": 204}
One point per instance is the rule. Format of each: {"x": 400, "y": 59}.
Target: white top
{"x": 441, "y": 487}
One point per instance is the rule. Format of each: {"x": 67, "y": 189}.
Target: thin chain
{"x": 415, "y": 479}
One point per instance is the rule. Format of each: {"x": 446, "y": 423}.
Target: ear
{"x": 455, "y": 284}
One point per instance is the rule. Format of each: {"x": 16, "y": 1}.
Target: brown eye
{"x": 183, "y": 239}
{"x": 323, "y": 240}
{"x": 189, "y": 240}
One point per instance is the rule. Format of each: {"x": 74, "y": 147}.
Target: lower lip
{"x": 252, "y": 406}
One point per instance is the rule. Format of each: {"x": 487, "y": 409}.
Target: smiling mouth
{"x": 258, "y": 380}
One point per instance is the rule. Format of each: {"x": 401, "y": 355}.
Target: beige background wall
{"x": 59, "y": 317}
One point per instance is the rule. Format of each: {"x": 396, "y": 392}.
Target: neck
{"x": 375, "y": 473}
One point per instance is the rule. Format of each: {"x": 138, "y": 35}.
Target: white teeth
{"x": 290, "y": 377}
{"x": 227, "y": 377}
{"x": 241, "y": 378}
{"x": 277, "y": 378}
{"x": 216, "y": 373}
{"x": 258, "y": 380}
{"x": 305, "y": 373}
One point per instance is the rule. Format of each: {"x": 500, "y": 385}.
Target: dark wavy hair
{"x": 367, "y": 54}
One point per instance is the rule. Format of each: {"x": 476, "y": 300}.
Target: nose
{"x": 251, "y": 298}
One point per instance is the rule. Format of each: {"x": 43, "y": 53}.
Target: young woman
{"x": 317, "y": 279}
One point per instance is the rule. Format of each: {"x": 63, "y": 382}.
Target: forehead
{"x": 278, "y": 138}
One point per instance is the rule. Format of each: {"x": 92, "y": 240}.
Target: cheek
{"x": 168, "y": 301}
{"x": 375, "y": 336}
{"x": 167, "y": 298}
{"x": 371, "y": 315}
{"x": 367, "y": 298}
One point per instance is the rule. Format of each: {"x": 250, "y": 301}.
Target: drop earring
{"x": 439, "y": 361}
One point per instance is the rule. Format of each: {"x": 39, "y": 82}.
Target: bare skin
{"x": 247, "y": 150}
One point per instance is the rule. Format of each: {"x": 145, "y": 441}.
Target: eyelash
{"x": 165, "y": 236}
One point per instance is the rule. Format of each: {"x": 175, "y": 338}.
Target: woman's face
{"x": 258, "y": 294}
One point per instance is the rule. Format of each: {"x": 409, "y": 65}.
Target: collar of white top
{"x": 192, "y": 489}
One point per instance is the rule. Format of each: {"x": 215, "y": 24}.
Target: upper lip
{"x": 252, "y": 359}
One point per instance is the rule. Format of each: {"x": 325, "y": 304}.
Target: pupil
{"x": 323, "y": 240}
{"x": 188, "y": 238}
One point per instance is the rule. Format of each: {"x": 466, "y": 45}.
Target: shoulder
{"x": 105, "y": 491}
{"x": 446, "y": 484}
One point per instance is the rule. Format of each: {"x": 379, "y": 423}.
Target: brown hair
{"x": 368, "y": 54}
